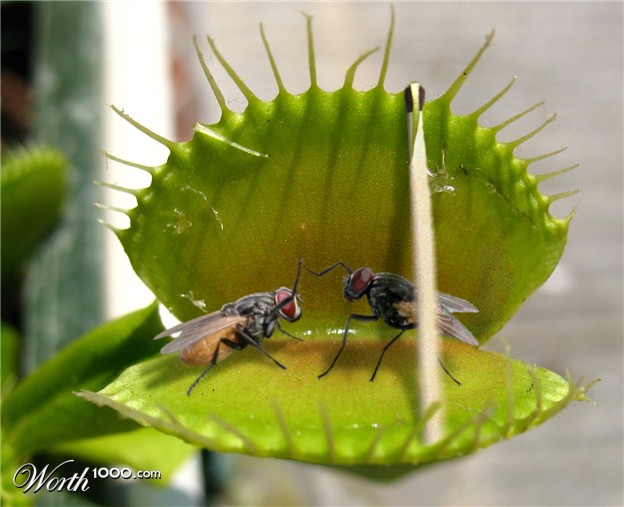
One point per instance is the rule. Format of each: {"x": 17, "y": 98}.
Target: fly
{"x": 208, "y": 339}
{"x": 392, "y": 298}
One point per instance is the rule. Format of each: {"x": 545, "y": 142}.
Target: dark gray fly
{"x": 392, "y": 298}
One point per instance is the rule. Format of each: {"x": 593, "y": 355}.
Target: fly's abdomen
{"x": 202, "y": 352}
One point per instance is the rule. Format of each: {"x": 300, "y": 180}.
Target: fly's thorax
{"x": 386, "y": 298}
{"x": 256, "y": 304}
{"x": 394, "y": 287}
{"x": 259, "y": 326}
{"x": 230, "y": 310}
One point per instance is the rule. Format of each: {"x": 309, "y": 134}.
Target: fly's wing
{"x": 444, "y": 320}
{"x": 451, "y": 326}
{"x": 198, "y": 321}
{"x": 402, "y": 291}
{"x": 199, "y": 328}
{"x": 456, "y": 305}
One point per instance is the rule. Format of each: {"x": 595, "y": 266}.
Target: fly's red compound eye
{"x": 358, "y": 283}
{"x": 290, "y": 311}
{"x": 361, "y": 279}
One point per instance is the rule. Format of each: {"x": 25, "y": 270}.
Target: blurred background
{"x": 63, "y": 62}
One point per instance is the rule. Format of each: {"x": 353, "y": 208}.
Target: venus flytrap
{"x": 324, "y": 176}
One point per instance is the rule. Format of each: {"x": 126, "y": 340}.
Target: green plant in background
{"x": 28, "y": 216}
{"x": 322, "y": 176}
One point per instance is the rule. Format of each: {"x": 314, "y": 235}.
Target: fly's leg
{"x": 354, "y": 316}
{"x": 215, "y": 358}
{"x": 250, "y": 341}
{"x": 286, "y": 332}
{"x": 326, "y": 270}
{"x": 448, "y": 372}
{"x": 383, "y": 351}
{"x": 388, "y": 346}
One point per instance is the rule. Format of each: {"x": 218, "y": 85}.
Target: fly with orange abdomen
{"x": 208, "y": 339}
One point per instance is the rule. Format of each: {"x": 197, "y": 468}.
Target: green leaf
{"x": 9, "y": 494}
{"x": 9, "y": 339}
{"x": 247, "y": 405}
{"x": 43, "y": 411}
{"x": 34, "y": 186}
{"x": 141, "y": 449}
